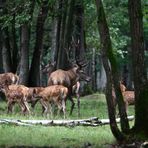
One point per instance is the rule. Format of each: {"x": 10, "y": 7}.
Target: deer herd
{"x": 62, "y": 84}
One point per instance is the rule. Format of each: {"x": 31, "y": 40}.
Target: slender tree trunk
{"x": 25, "y": 38}
{"x": 66, "y": 32}
{"x": 112, "y": 75}
{"x": 79, "y": 34}
{"x": 34, "y": 75}
{"x": 7, "y": 62}
{"x": 24, "y": 61}
{"x": 58, "y": 31}
{"x": 94, "y": 86}
{"x": 54, "y": 39}
{"x": 139, "y": 71}
{"x": 62, "y": 56}
{"x": 1, "y": 44}
{"x": 14, "y": 46}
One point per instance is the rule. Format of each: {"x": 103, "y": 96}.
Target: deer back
{"x": 59, "y": 77}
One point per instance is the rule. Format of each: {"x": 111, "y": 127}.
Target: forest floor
{"x": 14, "y": 136}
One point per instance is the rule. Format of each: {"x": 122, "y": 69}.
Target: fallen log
{"x": 94, "y": 121}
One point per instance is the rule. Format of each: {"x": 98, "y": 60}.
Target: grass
{"x": 63, "y": 137}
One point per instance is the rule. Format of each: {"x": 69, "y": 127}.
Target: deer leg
{"x": 34, "y": 102}
{"x": 78, "y": 101}
{"x": 59, "y": 108}
{"x": 26, "y": 107}
{"x": 64, "y": 107}
{"x": 10, "y": 106}
{"x": 72, "y": 104}
{"x": 50, "y": 108}
{"x": 22, "y": 106}
{"x": 44, "y": 107}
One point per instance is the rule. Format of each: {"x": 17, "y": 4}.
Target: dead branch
{"x": 94, "y": 121}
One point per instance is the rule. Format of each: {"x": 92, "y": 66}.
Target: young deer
{"x": 128, "y": 96}
{"x": 8, "y": 78}
{"x": 53, "y": 94}
{"x": 18, "y": 95}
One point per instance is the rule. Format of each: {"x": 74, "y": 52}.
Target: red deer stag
{"x": 53, "y": 94}
{"x": 69, "y": 78}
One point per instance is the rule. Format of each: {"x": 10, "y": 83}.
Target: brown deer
{"x": 16, "y": 95}
{"x": 25, "y": 93}
{"x": 69, "y": 78}
{"x": 128, "y": 96}
{"x": 8, "y": 78}
{"x": 31, "y": 93}
{"x": 53, "y": 94}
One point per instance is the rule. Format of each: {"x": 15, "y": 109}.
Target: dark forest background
{"x": 112, "y": 37}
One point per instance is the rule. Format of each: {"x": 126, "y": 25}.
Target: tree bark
{"x": 34, "y": 75}
{"x": 139, "y": 71}
{"x": 25, "y": 38}
{"x": 79, "y": 33}
{"x": 14, "y": 46}
{"x": 24, "y": 61}
{"x": 65, "y": 35}
{"x": 1, "y": 55}
{"x": 110, "y": 66}
{"x": 7, "y": 61}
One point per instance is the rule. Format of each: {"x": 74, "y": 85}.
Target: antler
{"x": 49, "y": 66}
{"x": 81, "y": 63}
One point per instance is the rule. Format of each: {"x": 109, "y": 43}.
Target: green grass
{"x": 63, "y": 137}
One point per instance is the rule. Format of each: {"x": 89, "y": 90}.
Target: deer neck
{"x": 73, "y": 77}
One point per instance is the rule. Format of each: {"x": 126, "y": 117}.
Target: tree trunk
{"x": 1, "y": 44}
{"x": 62, "y": 49}
{"x": 111, "y": 74}
{"x": 101, "y": 76}
{"x": 139, "y": 71}
{"x": 34, "y": 75}
{"x": 24, "y": 61}
{"x": 94, "y": 85}
{"x": 79, "y": 27}
{"x": 14, "y": 46}
{"x": 25, "y": 38}
{"x": 7, "y": 61}
{"x": 65, "y": 35}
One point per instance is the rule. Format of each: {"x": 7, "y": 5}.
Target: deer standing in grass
{"x": 53, "y": 94}
{"x": 68, "y": 78}
{"x": 128, "y": 96}
{"x": 16, "y": 94}
{"x": 21, "y": 95}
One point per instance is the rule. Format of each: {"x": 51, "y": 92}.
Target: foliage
{"x": 17, "y": 9}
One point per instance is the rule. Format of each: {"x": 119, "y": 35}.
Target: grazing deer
{"x": 53, "y": 94}
{"x": 68, "y": 78}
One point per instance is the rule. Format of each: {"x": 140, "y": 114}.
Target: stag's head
{"x": 49, "y": 68}
{"x": 79, "y": 68}
{"x": 83, "y": 76}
